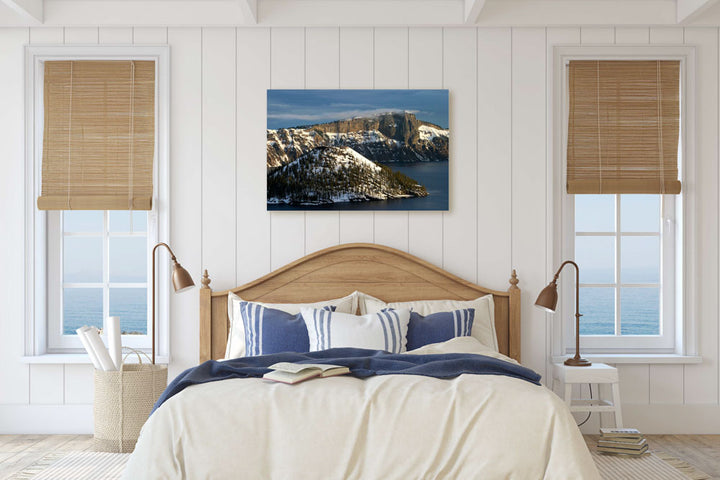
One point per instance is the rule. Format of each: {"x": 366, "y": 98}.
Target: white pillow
{"x": 460, "y": 345}
{"x": 236, "y": 337}
{"x": 483, "y": 325}
{"x": 377, "y": 331}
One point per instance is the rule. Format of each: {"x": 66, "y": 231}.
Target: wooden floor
{"x": 700, "y": 451}
{"x": 19, "y": 451}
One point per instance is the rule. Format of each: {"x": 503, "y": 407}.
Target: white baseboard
{"x": 46, "y": 419}
{"x": 673, "y": 419}
{"x": 660, "y": 419}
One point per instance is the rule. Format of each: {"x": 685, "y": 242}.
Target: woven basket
{"x": 123, "y": 402}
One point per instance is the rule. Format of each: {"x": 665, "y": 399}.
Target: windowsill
{"x": 643, "y": 358}
{"x": 79, "y": 359}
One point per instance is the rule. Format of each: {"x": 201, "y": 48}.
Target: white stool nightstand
{"x": 597, "y": 373}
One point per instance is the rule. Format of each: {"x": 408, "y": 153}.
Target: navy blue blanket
{"x": 361, "y": 362}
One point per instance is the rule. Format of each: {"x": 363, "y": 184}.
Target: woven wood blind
{"x": 624, "y": 126}
{"x": 99, "y": 135}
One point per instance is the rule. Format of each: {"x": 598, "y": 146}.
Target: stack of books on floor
{"x": 624, "y": 441}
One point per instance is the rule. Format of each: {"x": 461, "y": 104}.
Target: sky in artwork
{"x": 292, "y": 108}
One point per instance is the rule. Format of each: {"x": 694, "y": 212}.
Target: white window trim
{"x": 58, "y": 342}
{"x": 36, "y": 265}
{"x": 647, "y": 343}
{"x": 685, "y": 341}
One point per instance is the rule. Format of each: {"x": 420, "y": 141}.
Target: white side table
{"x": 597, "y": 373}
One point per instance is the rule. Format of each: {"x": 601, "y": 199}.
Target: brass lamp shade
{"x": 548, "y": 298}
{"x": 181, "y": 279}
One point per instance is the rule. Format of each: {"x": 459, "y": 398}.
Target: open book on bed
{"x": 292, "y": 373}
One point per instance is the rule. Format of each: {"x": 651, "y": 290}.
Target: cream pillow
{"x": 483, "y": 326}
{"x": 377, "y": 331}
{"x": 236, "y": 336}
{"x": 460, "y": 345}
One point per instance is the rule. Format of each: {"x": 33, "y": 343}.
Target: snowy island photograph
{"x": 357, "y": 149}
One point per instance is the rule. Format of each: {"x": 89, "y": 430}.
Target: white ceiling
{"x": 359, "y": 12}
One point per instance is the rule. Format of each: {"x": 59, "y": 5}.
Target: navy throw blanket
{"x": 361, "y": 362}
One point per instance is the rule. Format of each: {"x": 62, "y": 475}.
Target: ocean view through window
{"x": 618, "y": 245}
{"x": 104, "y": 269}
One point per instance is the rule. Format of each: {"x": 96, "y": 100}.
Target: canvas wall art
{"x": 357, "y": 150}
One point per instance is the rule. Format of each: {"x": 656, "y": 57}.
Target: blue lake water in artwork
{"x": 433, "y": 175}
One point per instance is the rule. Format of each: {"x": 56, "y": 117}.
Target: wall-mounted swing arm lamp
{"x": 181, "y": 281}
{"x": 547, "y": 300}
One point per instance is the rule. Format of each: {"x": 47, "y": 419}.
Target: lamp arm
{"x": 577, "y": 360}
{"x": 577, "y": 283}
{"x": 172, "y": 255}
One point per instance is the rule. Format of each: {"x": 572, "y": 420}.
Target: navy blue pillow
{"x": 439, "y": 327}
{"x": 268, "y": 330}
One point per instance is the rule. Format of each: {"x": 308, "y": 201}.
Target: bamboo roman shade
{"x": 99, "y": 135}
{"x": 624, "y": 126}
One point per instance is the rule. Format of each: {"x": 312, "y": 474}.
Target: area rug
{"x": 110, "y": 466}
{"x": 75, "y": 466}
{"x": 651, "y": 466}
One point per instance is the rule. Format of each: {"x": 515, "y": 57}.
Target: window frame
{"x": 37, "y": 232}
{"x": 56, "y": 340}
{"x": 663, "y": 343}
{"x": 682, "y": 339}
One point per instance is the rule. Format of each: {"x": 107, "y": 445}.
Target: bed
{"x": 385, "y": 426}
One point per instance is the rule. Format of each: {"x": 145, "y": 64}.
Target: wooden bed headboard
{"x": 383, "y": 272}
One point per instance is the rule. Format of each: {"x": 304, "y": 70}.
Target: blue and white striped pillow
{"x": 273, "y": 331}
{"x": 377, "y": 331}
{"x": 439, "y": 327}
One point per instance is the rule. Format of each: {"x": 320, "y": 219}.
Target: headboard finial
{"x": 514, "y": 279}
{"x": 205, "y": 280}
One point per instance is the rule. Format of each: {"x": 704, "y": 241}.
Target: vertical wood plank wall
{"x": 501, "y": 208}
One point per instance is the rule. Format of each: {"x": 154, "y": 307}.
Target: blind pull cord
{"x": 661, "y": 152}
{"x": 132, "y": 136}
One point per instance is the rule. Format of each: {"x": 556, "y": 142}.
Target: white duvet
{"x": 383, "y": 427}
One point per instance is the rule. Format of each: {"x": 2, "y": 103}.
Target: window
{"x": 629, "y": 243}
{"x": 625, "y": 246}
{"x": 85, "y": 265}
{"x": 98, "y": 268}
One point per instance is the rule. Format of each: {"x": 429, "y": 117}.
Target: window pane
{"x": 597, "y": 306}
{"x": 640, "y": 213}
{"x": 640, "y": 260}
{"x": 128, "y": 259}
{"x": 120, "y": 221}
{"x": 596, "y": 258}
{"x": 640, "y": 311}
{"x": 87, "y": 221}
{"x": 139, "y": 220}
{"x": 82, "y": 259}
{"x": 130, "y": 304}
{"x": 82, "y": 306}
{"x": 594, "y": 213}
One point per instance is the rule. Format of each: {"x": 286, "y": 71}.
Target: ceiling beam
{"x": 31, "y": 10}
{"x": 472, "y": 10}
{"x": 689, "y": 10}
{"x": 249, "y": 9}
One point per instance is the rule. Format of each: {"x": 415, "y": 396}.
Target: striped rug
{"x": 651, "y": 466}
{"x": 110, "y": 466}
{"x": 75, "y": 466}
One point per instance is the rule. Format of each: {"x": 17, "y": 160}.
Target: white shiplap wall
{"x": 500, "y": 203}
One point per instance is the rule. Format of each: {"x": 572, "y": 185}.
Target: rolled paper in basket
{"x": 88, "y": 348}
{"x": 113, "y": 329}
{"x": 91, "y": 333}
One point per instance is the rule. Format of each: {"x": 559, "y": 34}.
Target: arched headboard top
{"x": 380, "y": 271}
